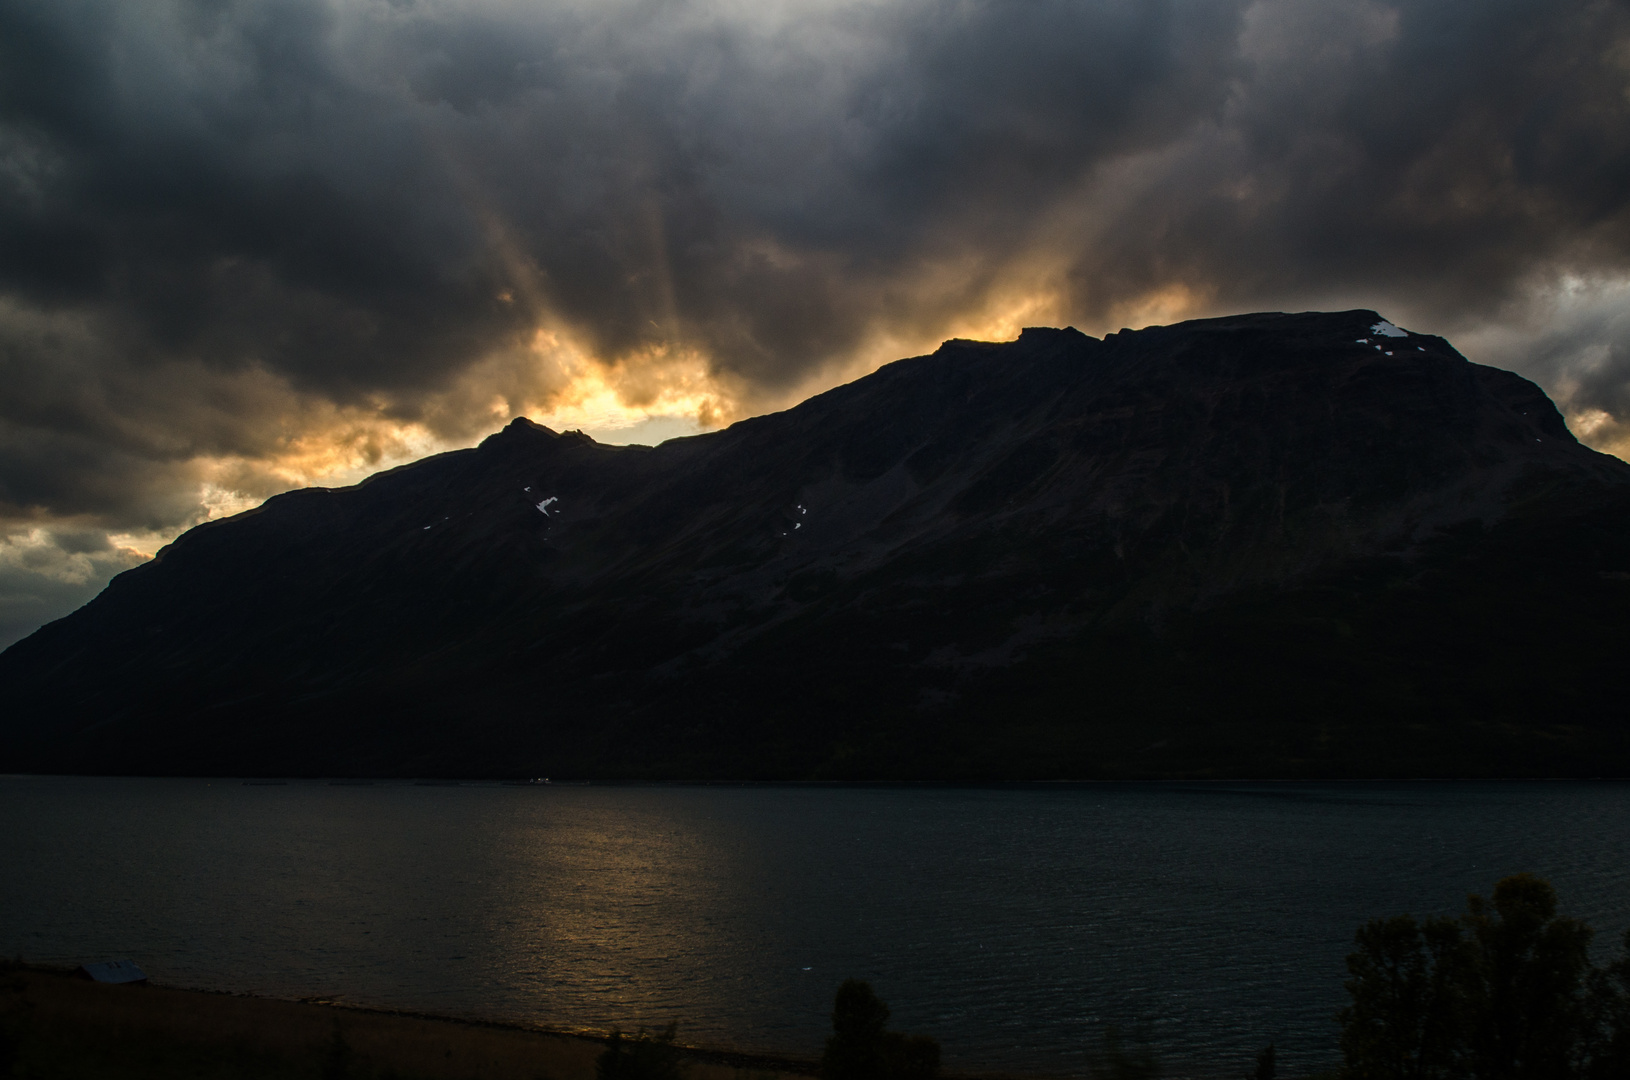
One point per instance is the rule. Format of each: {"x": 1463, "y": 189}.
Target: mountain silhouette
{"x": 1266, "y": 545}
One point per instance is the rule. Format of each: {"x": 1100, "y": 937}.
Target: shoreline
{"x": 73, "y": 1026}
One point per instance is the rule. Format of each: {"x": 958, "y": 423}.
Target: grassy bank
{"x": 68, "y": 1028}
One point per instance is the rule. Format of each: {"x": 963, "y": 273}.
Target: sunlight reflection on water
{"x": 1012, "y": 924}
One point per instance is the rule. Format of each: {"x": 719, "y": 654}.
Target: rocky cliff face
{"x": 1262, "y": 545}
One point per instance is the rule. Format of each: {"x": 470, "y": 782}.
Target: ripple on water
{"x": 1012, "y": 924}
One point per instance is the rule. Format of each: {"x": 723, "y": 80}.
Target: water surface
{"x": 1012, "y": 924}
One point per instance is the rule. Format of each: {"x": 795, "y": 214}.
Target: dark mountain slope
{"x": 1262, "y": 545}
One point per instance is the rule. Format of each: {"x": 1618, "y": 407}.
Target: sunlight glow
{"x": 139, "y": 545}
{"x": 1600, "y": 430}
{"x": 1002, "y": 319}
{"x": 660, "y": 382}
{"x": 1163, "y": 306}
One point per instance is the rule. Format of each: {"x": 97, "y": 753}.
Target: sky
{"x": 250, "y": 245}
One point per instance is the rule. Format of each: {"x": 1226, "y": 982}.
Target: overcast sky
{"x": 247, "y": 245}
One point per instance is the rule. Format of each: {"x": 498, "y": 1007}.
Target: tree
{"x": 1526, "y": 984}
{"x": 1609, "y": 1020}
{"x": 1506, "y": 992}
{"x": 854, "y": 1051}
{"x": 861, "y": 1048}
{"x": 1405, "y": 1022}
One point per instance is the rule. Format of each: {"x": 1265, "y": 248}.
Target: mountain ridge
{"x": 998, "y": 561}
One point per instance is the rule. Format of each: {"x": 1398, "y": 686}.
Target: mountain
{"x": 1264, "y": 545}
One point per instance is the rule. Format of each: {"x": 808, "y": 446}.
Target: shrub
{"x": 910, "y": 1057}
{"x": 860, "y": 1047}
{"x": 1267, "y": 1063}
{"x": 1117, "y": 1061}
{"x": 643, "y": 1057}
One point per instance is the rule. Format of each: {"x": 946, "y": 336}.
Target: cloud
{"x": 43, "y": 575}
{"x": 1573, "y": 336}
{"x": 251, "y": 244}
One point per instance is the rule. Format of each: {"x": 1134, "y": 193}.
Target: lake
{"x": 1012, "y": 924}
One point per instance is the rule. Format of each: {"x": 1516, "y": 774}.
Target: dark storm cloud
{"x": 1404, "y": 155}
{"x": 1573, "y": 337}
{"x": 340, "y": 192}
{"x": 214, "y": 189}
{"x": 235, "y": 231}
{"x": 317, "y": 189}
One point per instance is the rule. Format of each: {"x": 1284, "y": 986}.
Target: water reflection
{"x": 1009, "y": 924}
{"x": 611, "y": 904}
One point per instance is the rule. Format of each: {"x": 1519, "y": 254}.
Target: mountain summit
{"x": 1264, "y": 545}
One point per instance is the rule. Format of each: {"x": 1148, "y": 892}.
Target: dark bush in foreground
{"x": 642, "y": 1057}
{"x": 860, "y": 1047}
{"x": 1505, "y": 992}
{"x": 1116, "y": 1060}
